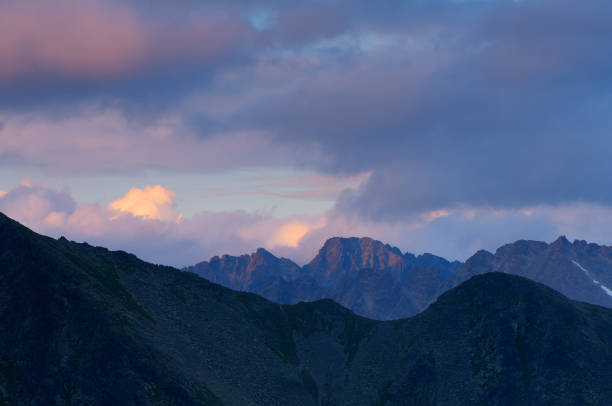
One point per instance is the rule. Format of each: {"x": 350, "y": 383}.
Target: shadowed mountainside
{"x": 84, "y": 325}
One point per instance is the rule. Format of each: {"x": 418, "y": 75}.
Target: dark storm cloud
{"x": 446, "y": 103}
{"x": 512, "y": 110}
{"x": 157, "y": 52}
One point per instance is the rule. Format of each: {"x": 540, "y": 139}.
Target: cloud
{"x": 151, "y": 202}
{"x": 505, "y": 107}
{"x": 103, "y": 39}
{"x": 68, "y": 38}
{"x": 290, "y": 234}
{"x": 144, "y": 221}
{"x": 96, "y": 138}
{"x": 36, "y": 205}
{"x": 434, "y": 215}
{"x": 456, "y": 235}
{"x": 454, "y": 110}
{"x": 303, "y": 187}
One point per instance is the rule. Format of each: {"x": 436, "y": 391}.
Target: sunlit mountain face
{"x": 183, "y": 130}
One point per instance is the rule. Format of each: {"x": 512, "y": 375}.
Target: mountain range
{"x": 371, "y": 278}
{"x": 376, "y": 280}
{"x": 82, "y": 325}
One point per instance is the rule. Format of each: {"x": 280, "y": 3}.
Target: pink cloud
{"x": 69, "y": 37}
{"x": 94, "y": 139}
{"x": 98, "y": 39}
{"x": 161, "y": 239}
{"x": 147, "y": 224}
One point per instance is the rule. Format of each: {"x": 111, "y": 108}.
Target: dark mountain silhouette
{"x": 371, "y": 278}
{"x": 81, "y": 325}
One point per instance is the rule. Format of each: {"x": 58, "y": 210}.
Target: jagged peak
{"x": 482, "y": 253}
{"x": 264, "y": 253}
{"x": 481, "y": 256}
{"x": 561, "y": 240}
{"x": 346, "y": 242}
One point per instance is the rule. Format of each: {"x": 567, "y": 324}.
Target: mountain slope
{"x": 84, "y": 325}
{"x": 579, "y": 270}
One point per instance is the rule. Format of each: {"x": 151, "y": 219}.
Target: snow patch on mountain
{"x": 595, "y": 281}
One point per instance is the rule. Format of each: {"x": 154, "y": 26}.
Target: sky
{"x": 182, "y": 130}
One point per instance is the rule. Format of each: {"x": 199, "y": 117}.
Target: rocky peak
{"x": 246, "y": 271}
{"x": 338, "y": 256}
{"x": 561, "y": 243}
{"x": 481, "y": 257}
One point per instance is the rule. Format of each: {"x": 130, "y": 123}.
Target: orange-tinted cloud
{"x": 434, "y": 215}
{"x": 290, "y": 234}
{"x": 26, "y": 182}
{"x": 151, "y": 202}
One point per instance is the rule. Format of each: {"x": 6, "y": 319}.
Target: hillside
{"x": 84, "y": 325}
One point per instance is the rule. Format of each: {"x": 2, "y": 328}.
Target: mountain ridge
{"x": 85, "y": 325}
{"x": 363, "y": 274}
{"x": 371, "y": 278}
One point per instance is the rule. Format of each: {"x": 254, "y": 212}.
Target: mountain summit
{"x": 339, "y": 257}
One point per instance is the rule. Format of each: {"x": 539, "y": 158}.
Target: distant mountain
{"x": 247, "y": 272}
{"x": 376, "y": 280}
{"x": 371, "y": 278}
{"x": 340, "y": 258}
{"x": 579, "y": 270}
{"x": 81, "y": 325}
